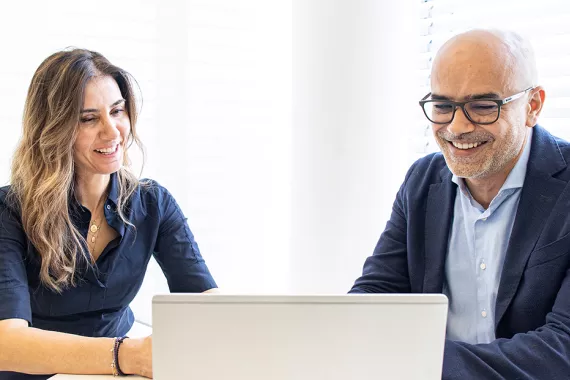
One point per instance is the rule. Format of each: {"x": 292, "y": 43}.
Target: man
{"x": 487, "y": 221}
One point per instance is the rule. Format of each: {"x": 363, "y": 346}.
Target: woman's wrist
{"x": 129, "y": 361}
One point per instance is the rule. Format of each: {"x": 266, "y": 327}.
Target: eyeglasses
{"x": 480, "y": 111}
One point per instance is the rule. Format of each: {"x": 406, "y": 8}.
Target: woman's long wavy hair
{"x": 43, "y": 175}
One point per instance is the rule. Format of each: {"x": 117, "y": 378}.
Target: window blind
{"x": 545, "y": 24}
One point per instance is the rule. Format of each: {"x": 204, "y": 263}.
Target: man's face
{"x": 464, "y": 71}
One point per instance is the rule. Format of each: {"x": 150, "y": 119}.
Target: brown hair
{"x": 43, "y": 175}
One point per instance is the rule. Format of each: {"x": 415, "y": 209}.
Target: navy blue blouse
{"x": 99, "y": 305}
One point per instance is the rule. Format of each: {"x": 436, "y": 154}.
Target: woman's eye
{"x": 118, "y": 111}
{"x": 87, "y": 120}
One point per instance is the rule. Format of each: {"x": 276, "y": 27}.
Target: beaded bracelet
{"x": 115, "y": 364}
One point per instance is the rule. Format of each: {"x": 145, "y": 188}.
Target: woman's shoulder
{"x": 7, "y": 202}
{"x": 155, "y": 199}
{"x": 149, "y": 186}
{"x": 4, "y": 193}
{"x": 9, "y": 210}
{"x": 151, "y": 190}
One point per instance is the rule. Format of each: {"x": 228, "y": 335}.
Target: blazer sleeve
{"x": 176, "y": 250}
{"x": 386, "y": 271}
{"x": 540, "y": 354}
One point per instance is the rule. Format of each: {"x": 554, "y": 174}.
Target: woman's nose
{"x": 110, "y": 130}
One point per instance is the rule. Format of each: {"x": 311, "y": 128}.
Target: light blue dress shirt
{"x": 477, "y": 247}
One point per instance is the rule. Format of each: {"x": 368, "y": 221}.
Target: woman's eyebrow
{"x": 96, "y": 110}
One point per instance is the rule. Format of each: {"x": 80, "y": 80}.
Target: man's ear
{"x": 534, "y": 106}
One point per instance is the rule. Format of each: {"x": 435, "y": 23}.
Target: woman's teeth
{"x": 466, "y": 146}
{"x": 107, "y": 150}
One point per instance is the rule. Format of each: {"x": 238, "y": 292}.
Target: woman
{"x": 77, "y": 228}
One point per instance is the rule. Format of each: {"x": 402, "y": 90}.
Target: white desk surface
{"x": 88, "y": 377}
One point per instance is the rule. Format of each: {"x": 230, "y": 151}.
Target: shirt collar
{"x": 114, "y": 189}
{"x": 75, "y": 205}
{"x": 516, "y": 177}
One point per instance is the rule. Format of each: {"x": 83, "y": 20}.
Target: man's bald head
{"x": 483, "y": 61}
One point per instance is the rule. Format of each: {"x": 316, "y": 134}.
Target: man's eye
{"x": 443, "y": 107}
{"x": 484, "y": 107}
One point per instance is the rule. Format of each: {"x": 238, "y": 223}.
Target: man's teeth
{"x": 465, "y": 146}
{"x": 107, "y": 150}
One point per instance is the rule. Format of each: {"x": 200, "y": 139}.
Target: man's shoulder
{"x": 550, "y": 153}
{"x": 564, "y": 147}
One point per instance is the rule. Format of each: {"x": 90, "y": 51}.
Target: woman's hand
{"x": 135, "y": 356}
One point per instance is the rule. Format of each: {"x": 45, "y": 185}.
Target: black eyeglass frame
{"x": 499, "y": 102}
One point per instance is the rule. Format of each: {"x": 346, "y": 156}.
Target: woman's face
{"x": 104, "y": 127}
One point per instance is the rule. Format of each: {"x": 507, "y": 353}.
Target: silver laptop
{"x": 360, "y": 337}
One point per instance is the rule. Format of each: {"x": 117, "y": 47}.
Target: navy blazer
{"x": 532, "y": 319}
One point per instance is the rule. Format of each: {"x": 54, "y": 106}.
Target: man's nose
{"x": 460, "y": 123}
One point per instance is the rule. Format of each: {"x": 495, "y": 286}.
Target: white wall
{"x": 272, "y": 122}
{"x": 222, "y": 137}
{"x": 229, "y": 71}
{"x": 31, "y": 30}
{"x": 351, "y": 109}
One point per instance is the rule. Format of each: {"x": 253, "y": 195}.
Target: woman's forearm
{"x": 34, "y": 351}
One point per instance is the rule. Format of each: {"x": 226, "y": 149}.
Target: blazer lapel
{"x": 539, "y": 194}
{"x": 439, "y": 216}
